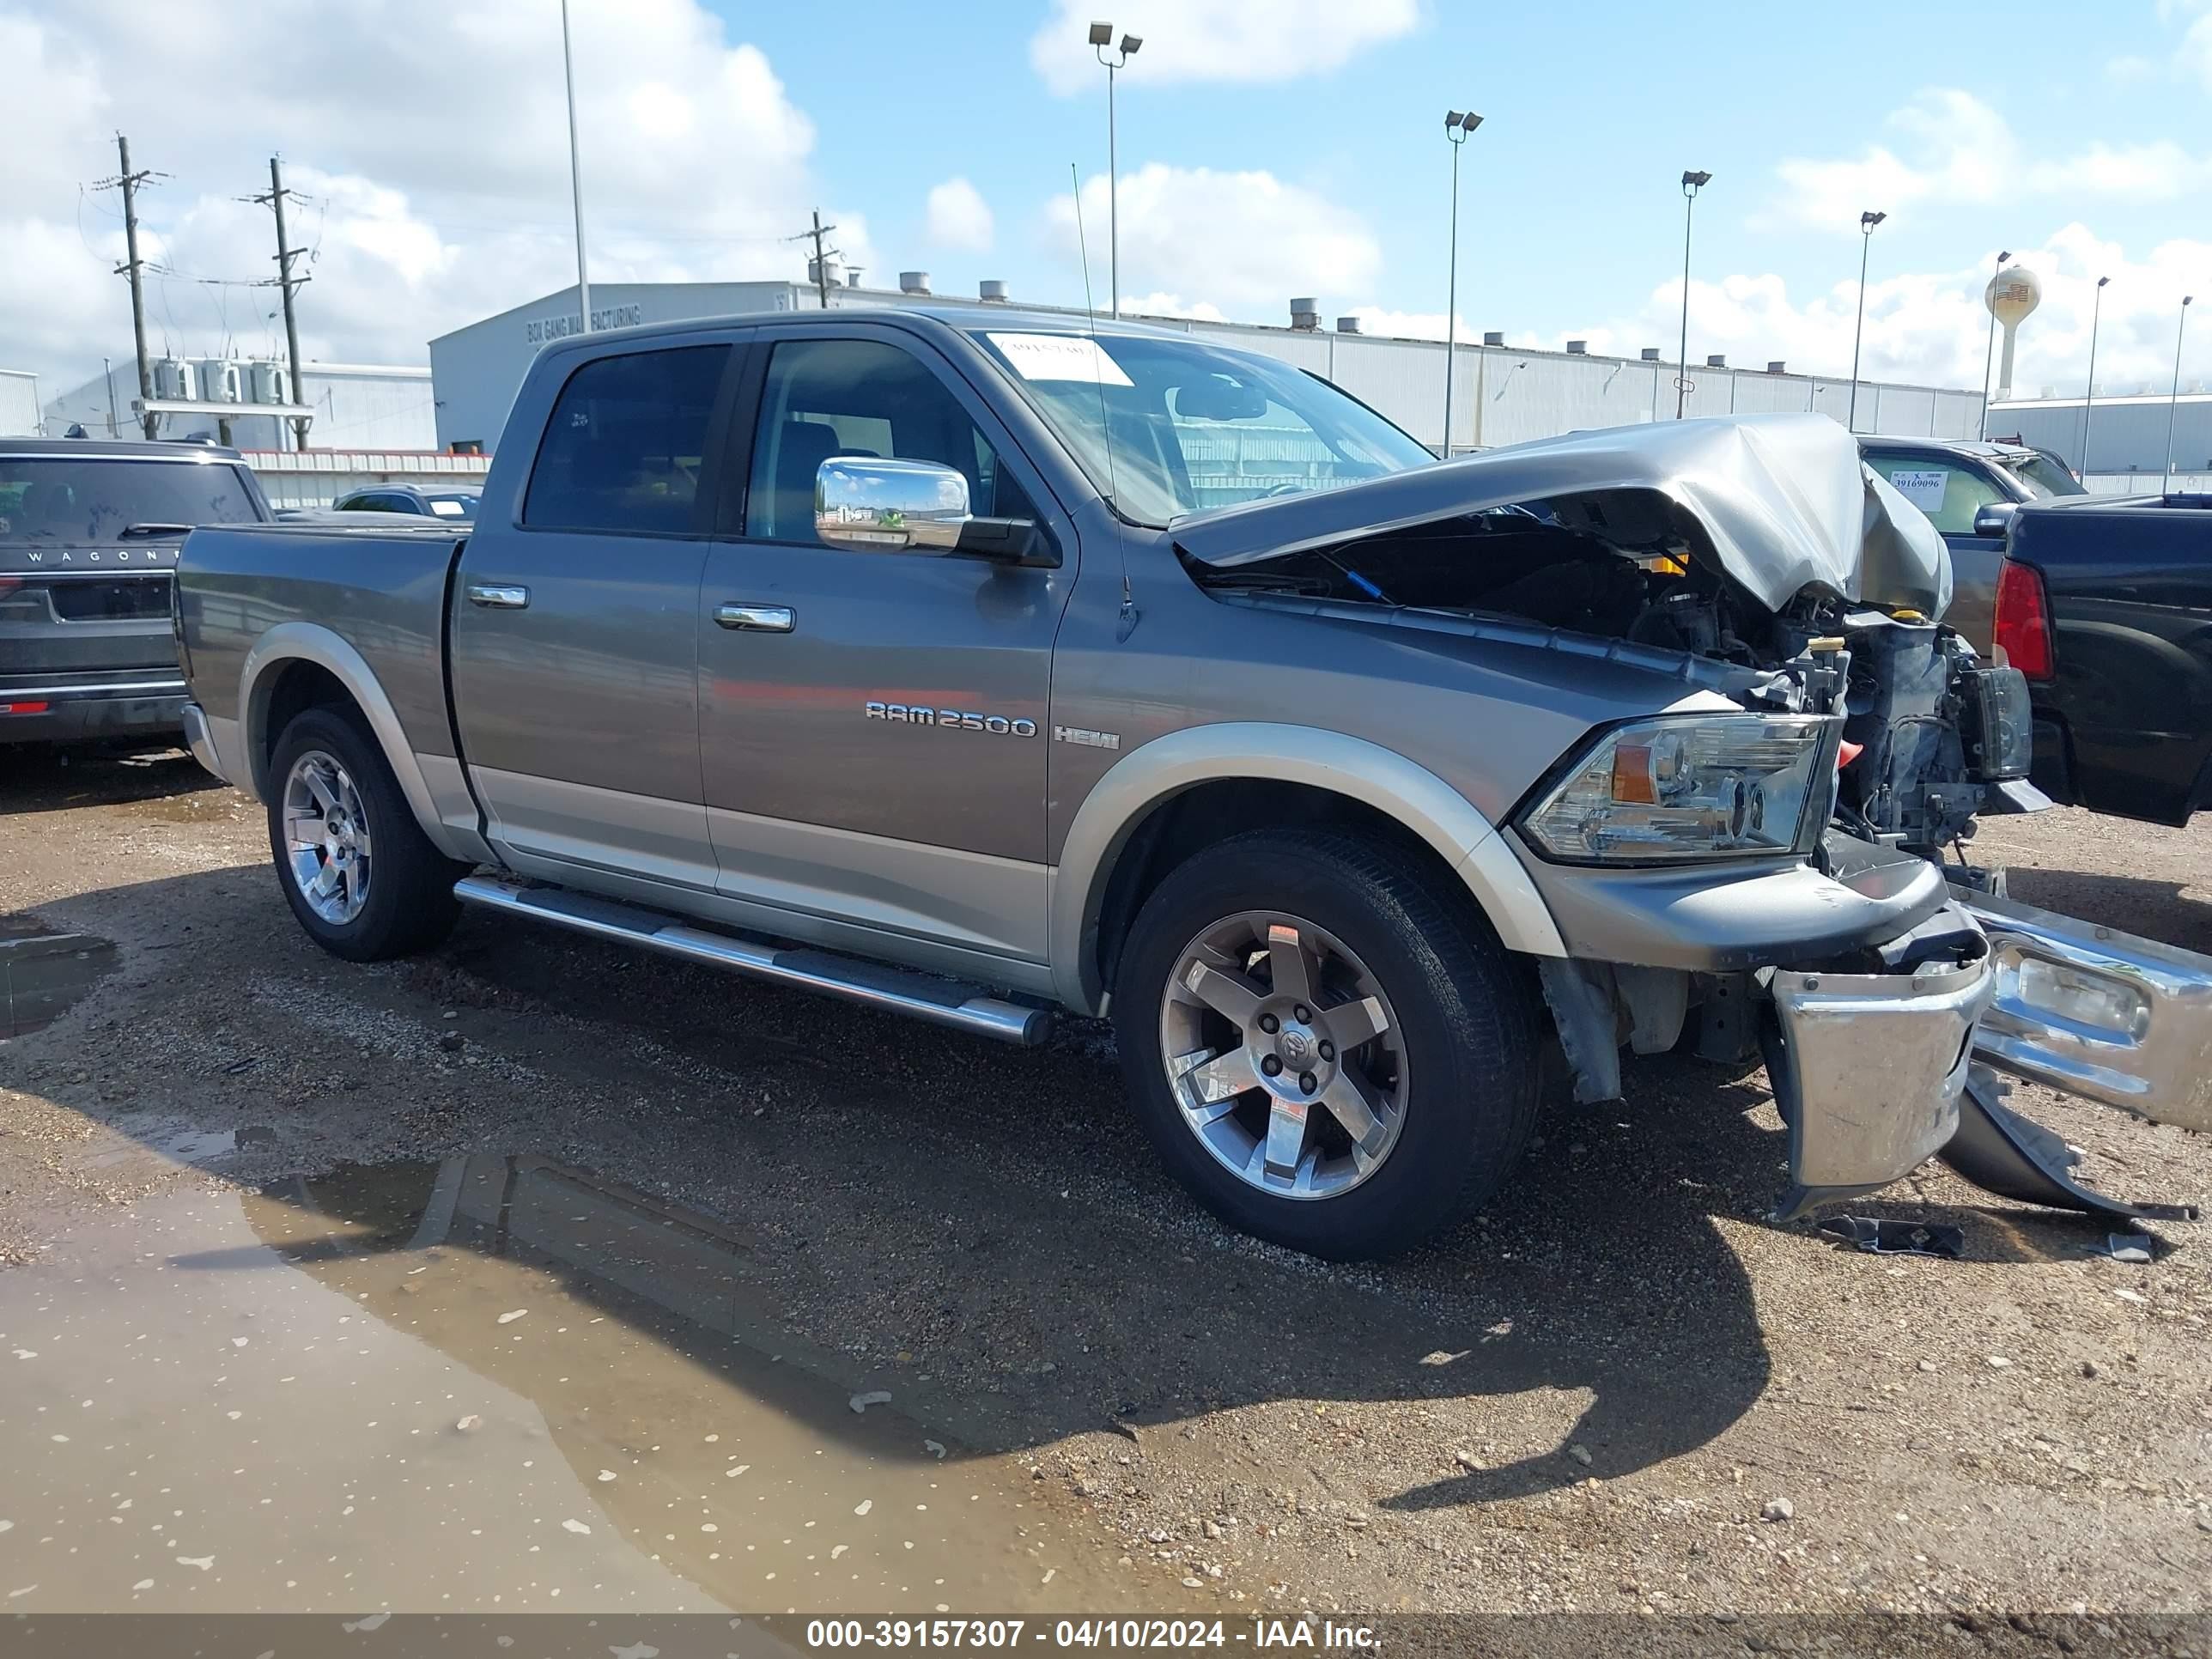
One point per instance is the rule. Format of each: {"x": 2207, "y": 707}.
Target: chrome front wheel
{"x": 326, "y": 837}
{"x": 1284, "y": 1055}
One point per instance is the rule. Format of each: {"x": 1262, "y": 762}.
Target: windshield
{"x": 2043, "y": 476}
{"x": 1194, "y": 427}
{"x": 61, "y": 501}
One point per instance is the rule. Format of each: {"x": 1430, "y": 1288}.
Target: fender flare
{"x": 302, "y": 641}
{"x": 1142, "y": 779}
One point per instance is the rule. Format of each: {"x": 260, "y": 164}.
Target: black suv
{"x": 89, "y": 533}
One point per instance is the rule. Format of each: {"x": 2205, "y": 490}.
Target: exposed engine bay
{"x": 1931, "y": 736}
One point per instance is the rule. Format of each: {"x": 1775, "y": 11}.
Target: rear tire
{"x": 355, "y": 865}
{"x": 1328, "y": 1052}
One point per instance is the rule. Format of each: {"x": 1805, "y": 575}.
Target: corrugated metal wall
{"x": 2126, "y": 434}
{"x": 19, "y": 403}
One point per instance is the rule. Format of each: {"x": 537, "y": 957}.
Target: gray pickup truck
{"x": 979, "y": 664}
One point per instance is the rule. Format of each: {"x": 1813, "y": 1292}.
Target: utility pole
{"x": 575, "y": 175}
{"x": 130, "y": 181}
{"x": 286, "y": 281}
{"x": 822, "y": 255}
{"x": 107, "y": 374}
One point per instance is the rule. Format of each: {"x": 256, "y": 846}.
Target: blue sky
{"x": 1270, "y": 148}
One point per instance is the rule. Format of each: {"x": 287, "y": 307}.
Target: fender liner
{"x": 301, "y": 642}
{"x": 1342, "y": 765}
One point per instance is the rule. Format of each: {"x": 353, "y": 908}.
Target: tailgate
{"x": 57, "y": 627}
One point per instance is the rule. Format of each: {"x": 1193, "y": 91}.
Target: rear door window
{"x": 623, "y": 451}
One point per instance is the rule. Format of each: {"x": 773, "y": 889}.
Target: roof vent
{"x": 1493, "y": 337}
{"x": 992, "y": 290}
{"x": 1778, "y": 366}
{"x": 1650, "y": 354}
{"x": 913, "y": 281}
{"x": 852, "y": 276}
{"x": 1578, "y": 347}
{"x": 1347, "y": 325}
{"x": 1716, "y": 360}
{"x": 1305, "y": 313}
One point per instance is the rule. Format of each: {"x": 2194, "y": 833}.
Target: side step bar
{"x": 940, "y": 1002}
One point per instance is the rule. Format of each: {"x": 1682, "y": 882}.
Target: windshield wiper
{"x": 130, "y": 530}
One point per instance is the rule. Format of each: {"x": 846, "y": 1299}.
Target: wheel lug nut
{"x": 1271, "y": 1065}
{"x": 1301, "y": 1014}
{"x": 1328, "y": 1051}
{"x": 1270, "y": 1024}
{"x": 1306, "y": 1081}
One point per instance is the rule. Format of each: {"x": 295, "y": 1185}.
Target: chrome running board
{"x": 923, "y": 996}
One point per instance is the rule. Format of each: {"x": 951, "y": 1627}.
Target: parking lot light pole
{"x": 1691, "y": 184}
{"x": 1101, "y": 36}
{"x": 1867, "y": 222}
{"x": 1457, "y": 124}
{"x": 2173, "y": 398}
{"x": 575, "y": 177}
{"x": 1988, "y": 349}
{"x": 2089, "y": 394}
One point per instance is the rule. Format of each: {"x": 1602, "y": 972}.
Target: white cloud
{"x": 1161, "y": 304}
{"x": 1251, "y": 239}
{"x": 1930, "y": 328}
{"x": 1247, "y": 40}
{"x": 1953, "y": 149}
{"x": 450, "y": 202}
{"x": 959, "y": 217}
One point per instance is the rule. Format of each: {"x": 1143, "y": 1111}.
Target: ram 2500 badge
{"x": 979, "y": 664}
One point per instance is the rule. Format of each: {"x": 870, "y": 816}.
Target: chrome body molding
{"x": 1144, "y": 778}
{"x": 2097, "y": 1012}
{"x": 313, "y": 642}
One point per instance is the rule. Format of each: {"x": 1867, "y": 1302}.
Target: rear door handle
{"x": 499, "y": 596}
{"x": 755, "y": 618}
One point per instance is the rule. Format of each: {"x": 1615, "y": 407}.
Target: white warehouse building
{"x": 353, "y": 406}
{"x": 1501, "y": 394}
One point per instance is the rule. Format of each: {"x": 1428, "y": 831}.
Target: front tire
{"x": 1328, "y": 1052}
{"x": 355, "y": 867}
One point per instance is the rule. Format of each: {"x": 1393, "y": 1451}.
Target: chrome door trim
{"x": 499, "y": 596}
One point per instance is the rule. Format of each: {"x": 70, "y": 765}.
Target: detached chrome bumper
{"x": 1868, "y": 1068}
{"x": 2097, "y": 1012}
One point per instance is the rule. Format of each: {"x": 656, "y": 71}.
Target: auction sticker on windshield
{"x": 1059, "y": 357}
{"x": 1922, "y": 487}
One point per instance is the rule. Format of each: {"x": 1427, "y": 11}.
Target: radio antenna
{"x": 1127, "y": 622}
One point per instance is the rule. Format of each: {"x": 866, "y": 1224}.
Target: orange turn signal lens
{"x": 1632, "y": 782}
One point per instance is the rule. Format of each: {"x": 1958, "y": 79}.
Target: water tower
{"x": 2011, "y": 294}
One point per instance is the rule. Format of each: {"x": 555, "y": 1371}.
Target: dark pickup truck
{"x": 89, "y": 533}
{"x": 2105, "y": 604}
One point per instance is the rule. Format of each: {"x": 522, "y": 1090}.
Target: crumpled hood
{"x": 1784, "y": 500}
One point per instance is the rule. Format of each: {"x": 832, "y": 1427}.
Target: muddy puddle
{"x": 491, "y": 1383}
{"x": 44, "y": 972}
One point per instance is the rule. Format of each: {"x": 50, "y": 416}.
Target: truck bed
{"x": 382, "y": 591}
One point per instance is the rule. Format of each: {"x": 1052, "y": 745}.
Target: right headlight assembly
{"x": 1681, "y": 787}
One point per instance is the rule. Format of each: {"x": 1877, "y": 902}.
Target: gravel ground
{"x": 1619, "y": 1390}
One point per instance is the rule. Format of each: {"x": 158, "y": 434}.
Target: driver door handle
{"x": 755, "y": 618}
{"x": 499, "y": 596}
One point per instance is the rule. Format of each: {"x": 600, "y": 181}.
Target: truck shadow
{"x": 39, "y": 778}
{"x": 855, "y": 1187}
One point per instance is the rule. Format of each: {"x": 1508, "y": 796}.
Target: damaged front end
{"x": 1759, "y": 867}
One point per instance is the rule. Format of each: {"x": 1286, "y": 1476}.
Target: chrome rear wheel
{"x": 1284, "y": 1055}
{"x": 327, "y": 836}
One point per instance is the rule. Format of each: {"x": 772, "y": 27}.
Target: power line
{"x": 127, "y": 182}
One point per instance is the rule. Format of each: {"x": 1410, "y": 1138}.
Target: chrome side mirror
{"x": 890, "y": 506}
{"x": 1994, "y": 519}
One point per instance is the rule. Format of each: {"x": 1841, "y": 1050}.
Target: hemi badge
{"x": 1089, "y": 739}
